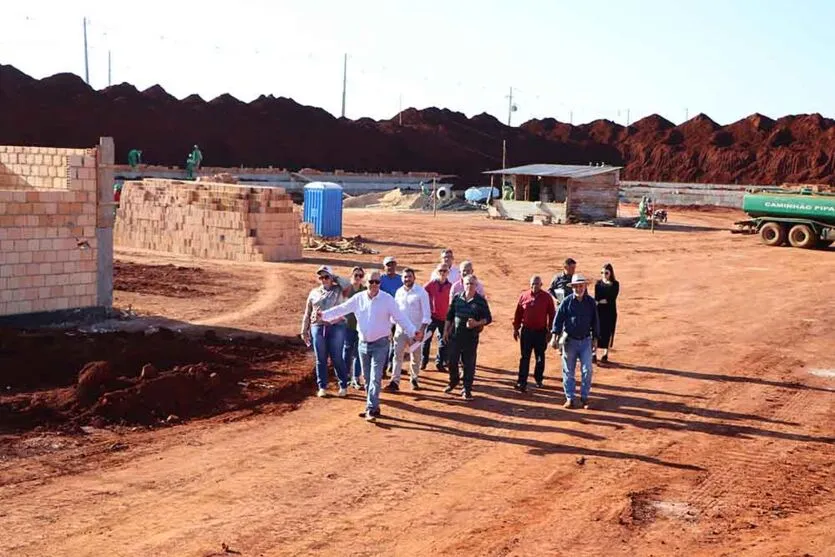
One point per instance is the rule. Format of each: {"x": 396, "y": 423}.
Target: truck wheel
{"x": 773, "y": 234}
{"x": 802, "y": 236}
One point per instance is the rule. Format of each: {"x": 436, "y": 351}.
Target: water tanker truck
{"x": 801, "y": 219}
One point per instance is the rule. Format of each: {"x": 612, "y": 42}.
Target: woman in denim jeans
{"x": 328, "y": 339}
{"x": 350, "y": 353}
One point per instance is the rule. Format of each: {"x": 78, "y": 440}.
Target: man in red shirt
{"x": 438, "y": 290}
{"x": 531, "y": 322}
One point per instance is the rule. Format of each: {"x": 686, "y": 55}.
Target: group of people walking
{"x": 367, "y": 326}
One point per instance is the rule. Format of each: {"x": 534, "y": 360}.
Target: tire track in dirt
{"x": 268, "y": 296}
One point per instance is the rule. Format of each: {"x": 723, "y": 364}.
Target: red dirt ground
{"x": 711, "y": 433}
{"x": 166, "y": 280}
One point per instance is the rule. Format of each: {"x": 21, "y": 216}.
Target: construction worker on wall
{"x": 134, "y": 158}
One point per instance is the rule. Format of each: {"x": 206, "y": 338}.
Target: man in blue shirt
{"x": 390, "y": 282}
{"x": 576, "y": 327}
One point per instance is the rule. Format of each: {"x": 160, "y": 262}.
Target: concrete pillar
{"x": 105, "y": 217}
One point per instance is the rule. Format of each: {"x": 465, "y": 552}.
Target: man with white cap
{"x": 413, "y": 301}
{"x": 577, "y": 327}
{"x": 375, "y": 310}
{"x": 390, "y": 282}
{"x": 327, "y": 339}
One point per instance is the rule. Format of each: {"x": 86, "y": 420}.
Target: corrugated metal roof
{"x": 557, "y": 170}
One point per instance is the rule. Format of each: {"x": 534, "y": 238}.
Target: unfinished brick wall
{"x": 208, "y": 220}
{"x": 49, "y": 214}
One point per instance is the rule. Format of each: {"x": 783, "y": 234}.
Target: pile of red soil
{"x": 63, "y": 111}
{"x": 58, "y": 379}
{"x": 172, "y": 281}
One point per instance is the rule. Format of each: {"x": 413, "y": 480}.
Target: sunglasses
{"x": 373, "y": 281}
{"x": 324, "y": 277}
{"x": 604, "y": 272}
{"x": 358, "y": 275}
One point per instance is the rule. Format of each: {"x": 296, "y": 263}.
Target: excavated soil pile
{"x": 166, "y": 280}
{"x": 63, "y": 110}
{"x": 57, "y": 379}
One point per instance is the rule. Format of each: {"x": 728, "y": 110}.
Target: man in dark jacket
{"x": 560, "y": 286}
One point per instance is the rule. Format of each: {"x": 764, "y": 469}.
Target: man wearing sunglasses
{"x": 375, "y": 310}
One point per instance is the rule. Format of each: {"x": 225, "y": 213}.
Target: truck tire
{"x": 802, "y": 236}
{"x": 773, "y": 234}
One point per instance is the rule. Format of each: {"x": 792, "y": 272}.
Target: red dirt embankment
{"x": 58, "y": 379}
{"x": 64, "y": 111}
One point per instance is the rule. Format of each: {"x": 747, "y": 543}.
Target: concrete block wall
{"x": 36, "y": 167}
{"x": 49, "y": 229}
{"x": 208, "y": 220}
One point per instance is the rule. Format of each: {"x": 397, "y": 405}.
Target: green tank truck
{"x": 801, "y": 219}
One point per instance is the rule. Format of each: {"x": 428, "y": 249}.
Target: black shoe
{"x": 440, "y": 367}
{"x": 374, "y": 413}
{"x": 393, "y": 387}
{"x": 467, "y": 395}
{"x": 423, "y": 365}
{"x": 604, "y": 359}
{"x": 415, "y": 386}
{"x": 521, "y": 388}
{"x": 540, "y": 385}
{"x": 449, "y": 389}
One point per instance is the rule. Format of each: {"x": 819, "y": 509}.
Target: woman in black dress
{"x": 606, "y": 294}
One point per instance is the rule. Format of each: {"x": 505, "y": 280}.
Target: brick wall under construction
{"x": 52, "y": 214}
{"x": 208, "y": 220}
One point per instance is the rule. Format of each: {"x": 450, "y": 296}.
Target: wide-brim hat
{"x": 578, "y": 278}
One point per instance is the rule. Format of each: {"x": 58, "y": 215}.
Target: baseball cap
{"x": 389, "y": 259}
{"x": 324, "y": 269}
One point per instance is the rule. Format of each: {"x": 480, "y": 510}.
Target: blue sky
{"x": 592, "y": 59}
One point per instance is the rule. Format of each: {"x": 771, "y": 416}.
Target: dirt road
{"x": 712, "y": 432}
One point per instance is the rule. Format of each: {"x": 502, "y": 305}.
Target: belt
{"x": 578, "y": 338}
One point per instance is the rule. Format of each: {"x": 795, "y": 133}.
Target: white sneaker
{"x": 342, "y": 392}
{"x": 322, "y": 393}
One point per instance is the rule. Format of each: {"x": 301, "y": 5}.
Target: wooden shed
{"x": 567, "y": 193}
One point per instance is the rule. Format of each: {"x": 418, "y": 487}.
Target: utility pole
{"x": 511, "y": 108}
{"x": 109, "y": 71}
{"x": 86, "y": 62}
{"x": 344, "y": 81}
{"x": 627, "y": 117}
{"x": 504, "y": 160}
{"x": 571, "y": 117}
{"x": 400, "y": 112}
{"x": 686, "y": 114}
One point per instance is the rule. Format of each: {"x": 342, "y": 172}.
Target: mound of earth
{"x": 58, "y": 379}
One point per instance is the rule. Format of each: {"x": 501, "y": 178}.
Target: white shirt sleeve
{"x": 342, "y": 309}
{"x": 426, "y": 312}
{"x": 398, "y": 317}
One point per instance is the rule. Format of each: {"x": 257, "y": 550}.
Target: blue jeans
{"x": 349, "y": 353}
{"x": 374, "y": 356}
{"x": 329, "y": 340}
{"x": 574, "y": 350}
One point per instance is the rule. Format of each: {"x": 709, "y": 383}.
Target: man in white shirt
{"x": 413, "y": 301}
{"x": 448, "y": 259}
{"x": 375, "y": 312}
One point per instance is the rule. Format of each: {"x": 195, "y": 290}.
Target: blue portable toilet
{"x": 323, "y": 208}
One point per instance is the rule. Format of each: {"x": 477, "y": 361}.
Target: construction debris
{"x": 340, "y": 245}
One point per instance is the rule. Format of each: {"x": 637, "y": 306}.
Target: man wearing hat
{"x": 560, "y": 285}
{"x": 390, "y": 283}
{"x": 326, "y": 339}
{"x": 577, "y": 325}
